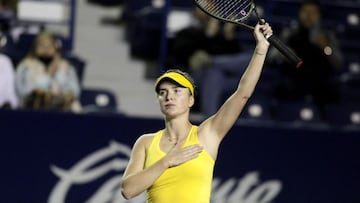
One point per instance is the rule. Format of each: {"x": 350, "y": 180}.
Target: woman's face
{"x": 174, "y": 100}
{"x": 45, "y": 47}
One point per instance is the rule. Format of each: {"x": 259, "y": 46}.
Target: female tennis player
{"x": 175, "y": 165}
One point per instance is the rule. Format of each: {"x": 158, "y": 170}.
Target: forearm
{"x": 252, "y": 74}
{"x": 135, "y": 184}
{"x": 225, "y": 118}
{"x": 230, "y": 111}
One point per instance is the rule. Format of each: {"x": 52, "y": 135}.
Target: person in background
{"x": 8, "y": 98}
{"x": 193, "y": 46}
{"x": 7, "y": 14}
{"x": 211, "y": 52}
{"x": 319, "y": 49}
{"x": 45, "y": 80}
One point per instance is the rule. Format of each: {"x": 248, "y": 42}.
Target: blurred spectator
{"x": 7, "y": 14}
{"x": 8, "y": 97}
{"x": 211, "y": 52}
{"x": 205, "y": 37}
{"x": 9, "y": 22}
{"x": 45, "y": 80}
{"x": 319, "y": 49}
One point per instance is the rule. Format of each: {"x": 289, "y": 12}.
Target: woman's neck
{"x": 177, "y": 128}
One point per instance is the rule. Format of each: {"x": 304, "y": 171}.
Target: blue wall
{"x": 79, "y": 158}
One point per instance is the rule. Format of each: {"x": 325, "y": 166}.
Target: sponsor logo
{"x": 114, "y": 158}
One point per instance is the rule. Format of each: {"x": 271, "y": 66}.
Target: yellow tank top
{"x": 187, "y": 183}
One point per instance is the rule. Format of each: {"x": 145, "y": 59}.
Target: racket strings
{"x": 228, "y": 9}
{"x": 209, "y": 7}
{"x": 241, "y": 9}
{"x": 213, "y": 6}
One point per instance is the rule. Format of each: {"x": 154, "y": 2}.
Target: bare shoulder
{"x": 144, "y": 140}
{"x": 138, "y": 154}
{"x": 205, "y": 127}
{"x": 208, "y": 138}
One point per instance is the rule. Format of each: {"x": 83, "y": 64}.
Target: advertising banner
{"x": 65, "y": 158}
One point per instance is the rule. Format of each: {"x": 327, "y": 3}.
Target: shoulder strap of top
{"x": 192, "y": 137}
{"x": 156, "y": 140}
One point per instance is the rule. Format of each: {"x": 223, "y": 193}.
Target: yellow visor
{"x": 178, "y": 78}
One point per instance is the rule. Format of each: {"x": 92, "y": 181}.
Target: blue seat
{"x": 182, "y": 4}
{"x": 351, "y": 63}
{"x": 350, "y": 87}
{"x": 107, "y": 3}
{"x": 7, "y": 47}
{"x": 269, "y": 79}
{"x": 6, "y": 41}
{"x": 348, "y": 37}
{"x": 257, "y": 108}
{"x": 79, "y": 65}
{"x": 98, "y": 101}
{"x": 354, "y": 81}
{"x": 144, "y": 35}
{"x": 132, "y": 8}
{"x": 344, "y": 114}
{"x": 135, "y": 6}
{"x": 296, "y": 111}
{"x": 25, "y": 43}
{"x": 342, "y": 11}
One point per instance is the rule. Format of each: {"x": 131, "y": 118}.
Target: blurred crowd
{"x": 215, "y": 53}
{"x": 43, "y": 79}
{"x": 322, "y": 58}
{"x": 34, "y": 75}
{"x": 211, "y": 52}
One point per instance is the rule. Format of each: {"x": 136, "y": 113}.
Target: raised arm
{"x": 137, "y": 179}
{"x": 219, "y": 124}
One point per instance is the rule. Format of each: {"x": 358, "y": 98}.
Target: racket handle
{"x": 286, "y": 51}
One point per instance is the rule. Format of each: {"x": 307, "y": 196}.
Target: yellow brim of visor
{"x": 178, "y": 78}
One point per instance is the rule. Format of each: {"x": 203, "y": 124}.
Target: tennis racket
{"x": 237, "y": 11}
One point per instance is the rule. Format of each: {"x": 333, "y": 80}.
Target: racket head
{"x": 233, "y": 11}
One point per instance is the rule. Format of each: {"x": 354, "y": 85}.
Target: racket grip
{"x": 286, "y": 51}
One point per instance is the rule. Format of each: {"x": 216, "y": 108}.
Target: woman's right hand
{"x": 177, "y": 155}
{"x": 260, "y": 33}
